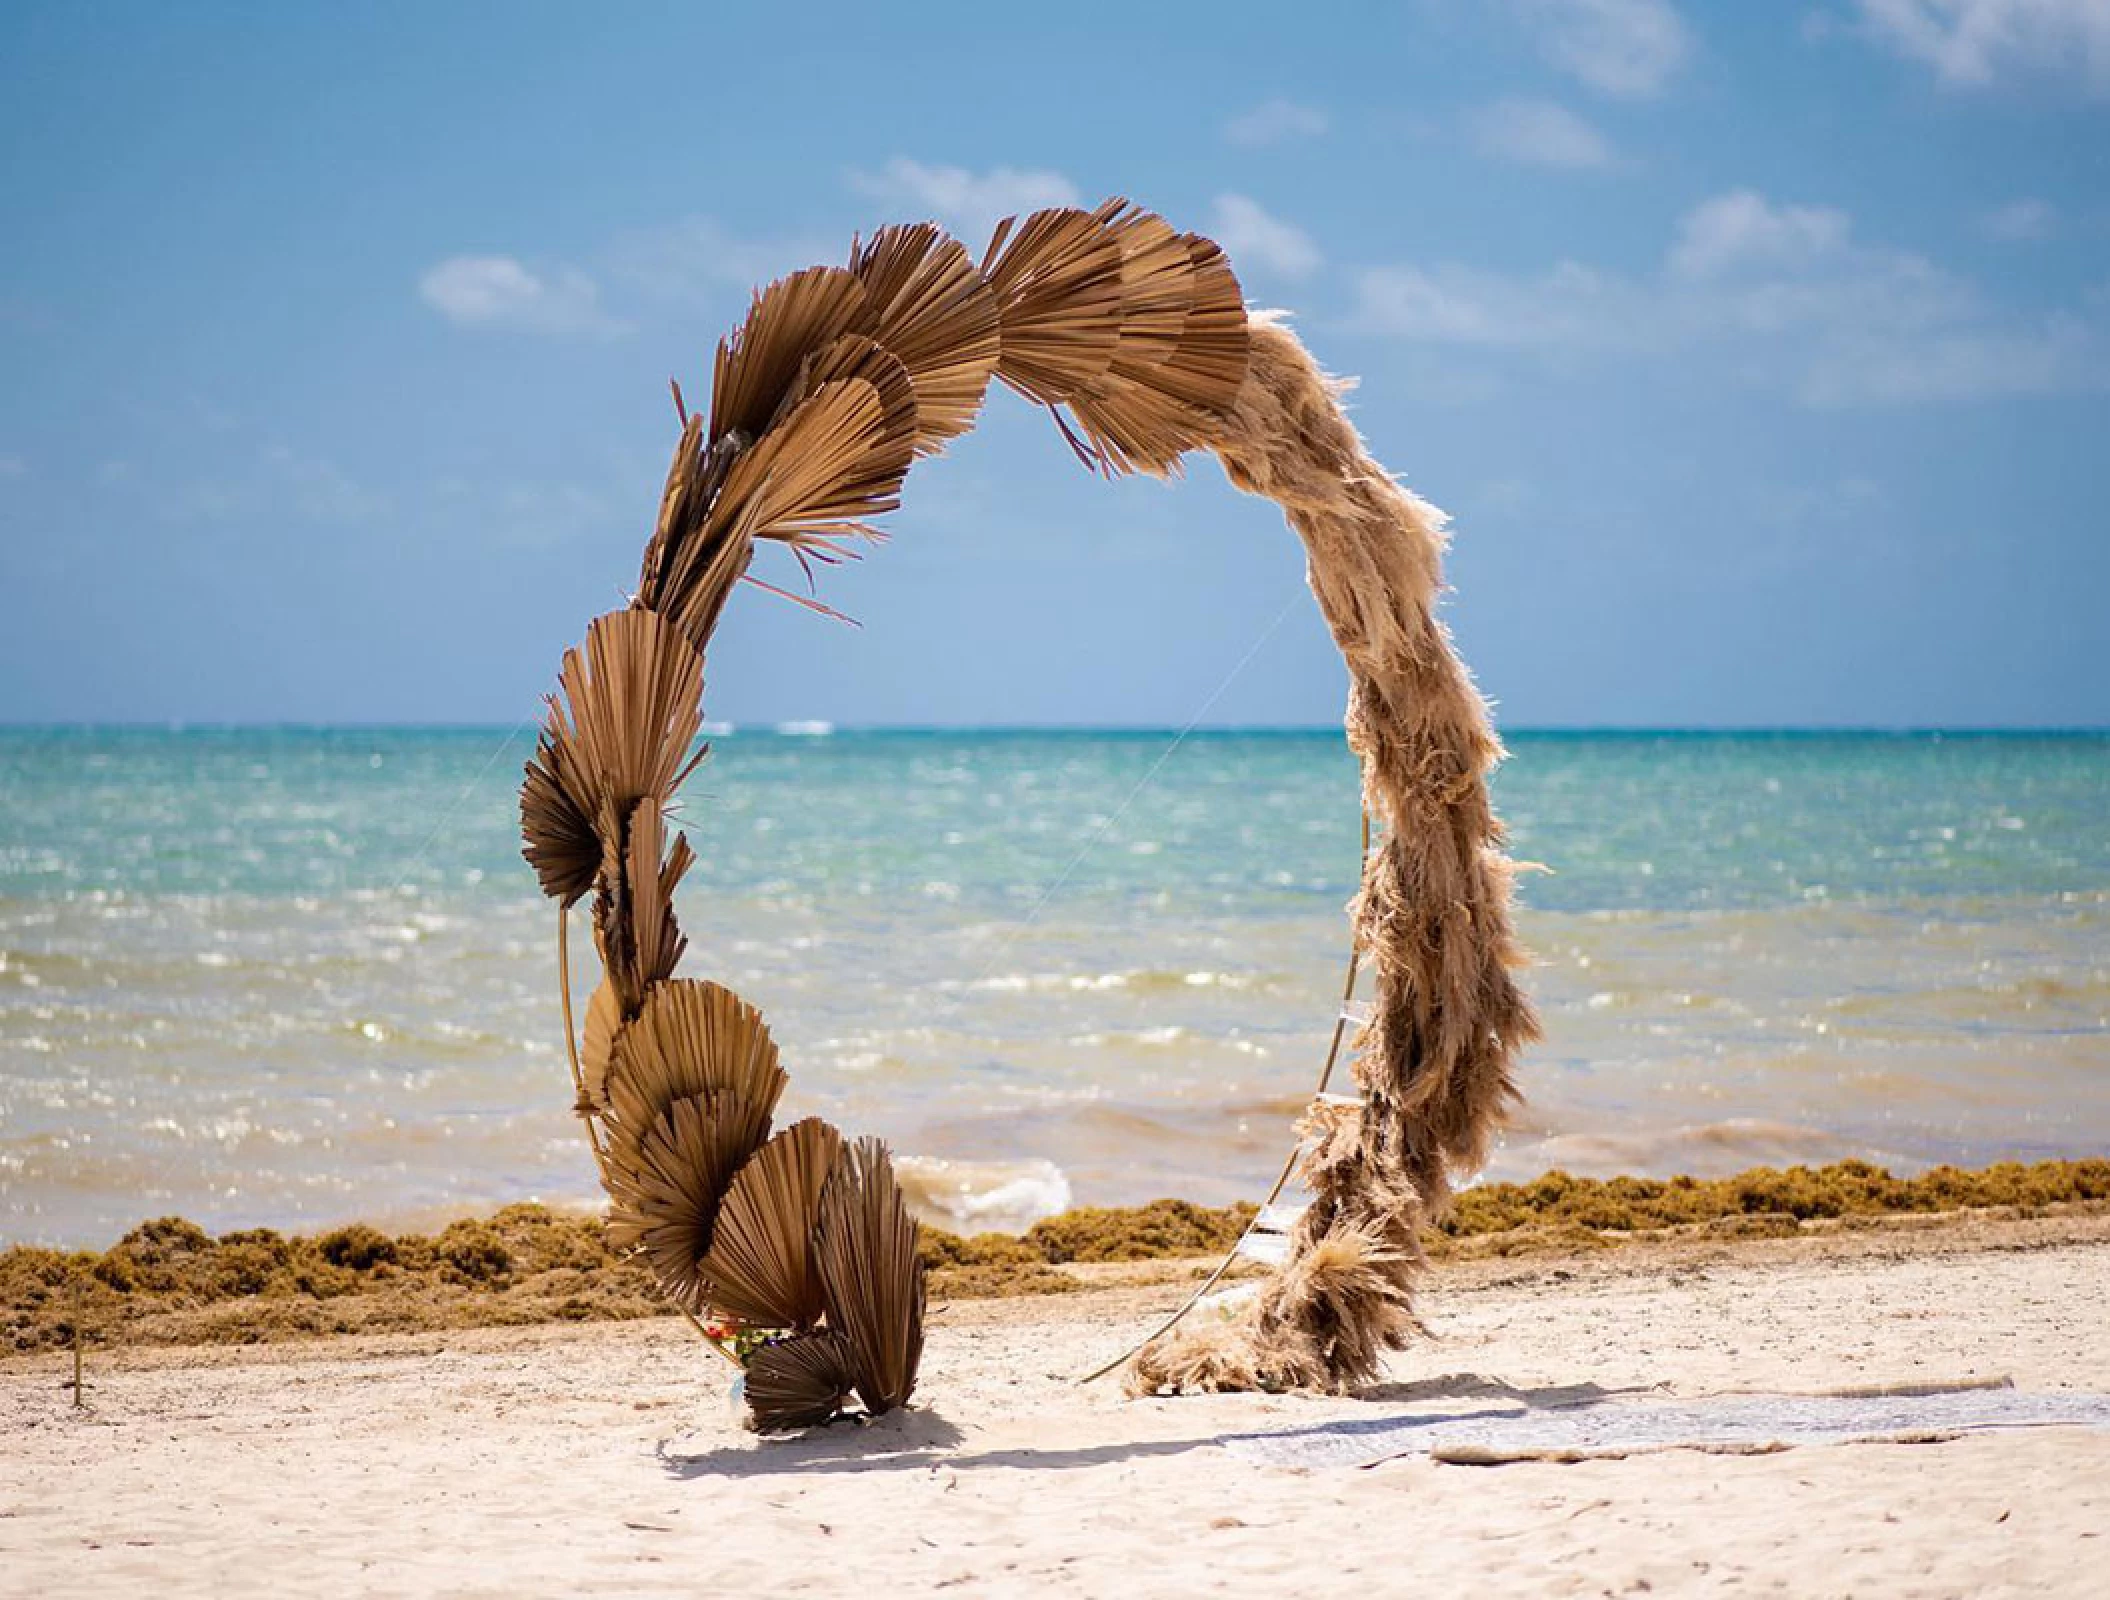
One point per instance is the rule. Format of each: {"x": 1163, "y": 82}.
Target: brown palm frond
{"x": 641, "y": 943}
{"x": 690, "y": 1038}
{"x": 934, "y": 311}
{"x": 818, "y": 475}
{"x": 1057, "y": 280}
{"x": 561, "y": 844}
{"x": 857, "y": 355}
{"x": 800, "y": 1382}
{"x": 682, "y": 500}
{"x": 1209, "y": 368}
{"x": 1142, "y": 413}
{"x": 692, "y": 563}
{"x": 665, "y": 1186}
{"x": 1157, "y": 284}
{"x": 604, "y": 1019}
{"x": 870, "y": 1273}
{"x": 629, "y": 705}
{"x": 759, "y": 361}
{"x": 761, "y": 1267}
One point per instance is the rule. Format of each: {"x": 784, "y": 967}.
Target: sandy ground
{"x": 607, "y": 1459}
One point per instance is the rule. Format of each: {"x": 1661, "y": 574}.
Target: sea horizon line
{"x": 823, "y": 727}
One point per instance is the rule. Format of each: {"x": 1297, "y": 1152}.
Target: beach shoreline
{"x": 168, "y": 1281}
{"x": 607, "y": 1457}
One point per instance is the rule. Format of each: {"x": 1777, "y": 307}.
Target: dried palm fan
{"x": 834, "y": 460}
{"x": 1057, "y": 280}
{"x": 641, "y": 943}
{"x": 691, "y": 1084}
{"x": 691, "y": 563}
{"x": 788, "y": 321}
{"x": 597, "y": 1043}
{"x": 761, "y": 1266}
{"x": 823, "y": 397}
{"x": 1181, "y": 355}
{"x": 800, "y": 1382}
{"x": 870, "y": 1274}
{"x": 690, "y": 1037}
{"x": 929, "y": 306}
{"x": 631, "y": 704}
{"x": 667, "y": 1182}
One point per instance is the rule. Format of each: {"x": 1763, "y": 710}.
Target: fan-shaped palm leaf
{"x": 604, "y": 1018}
{"x": 932, "y": 309}
{"x": 641, "y": 943}
{"x": 665, "y": 1187}
{"x": 800, "y": 1382}
{"x": 560, "y": 841}
{"x": 619, "y": 731}
{"x": 871, "y": 1279}
{"x": 1208, "y": 368}
{"x": 758, "y": 362}
{"x": 690, "y": 1038}
{"x": 1142, "y": 413}
{"x": 691, "y": 563}
{"x": 761, "y": 1268}
{"x": 1057, "y": 280}
{"x": 834, "y": 461}
{"x": 857, "y": 355}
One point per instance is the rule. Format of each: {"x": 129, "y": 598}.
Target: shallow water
{"x": 288, "y": 976}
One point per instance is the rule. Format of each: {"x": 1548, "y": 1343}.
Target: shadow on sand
{"x": 920, "y": 1439}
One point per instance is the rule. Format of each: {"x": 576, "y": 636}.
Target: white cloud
{"x": 1779, "y": 293}
{"x": 1741, "y": 231}
{"x": 1254, "y": 236}
{"x": 1275, "y": 121}
{"x": 1977, "y": 43}
{"x": 2021, "y": 220}
{"x": 1630, "y": 48}
{"x": 1539, "y": 133}
{"x": 499, "y": 292}
{"x": 972, "y": 202}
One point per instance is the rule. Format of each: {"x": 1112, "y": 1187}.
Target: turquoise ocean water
{"x": 290, "y": 976}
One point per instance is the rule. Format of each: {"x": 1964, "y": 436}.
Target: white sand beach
{"x": 606, "y": 1459}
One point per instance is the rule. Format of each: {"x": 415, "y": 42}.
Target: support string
{"x": 1289, "y": 1165}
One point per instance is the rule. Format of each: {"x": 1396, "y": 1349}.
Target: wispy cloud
{"x": 502, "y": 292}
{"x": 1628, "y": 48}
{"x": 276, "y": 481}
{"x": 12, "y": 466}
{"x": 1569, "y": 307}
{"x": 1786, "y": 292}
{"x": 696, "y": 261}
{"x": 1742, "y": 231}
{"x": 1539, "y": 133}
{"x": 1276, "y": 122}
{"x": 2021, "y": 220}
{"x": 971, "y": 202}
{"x": 1254, "y": 236}
{"x": 1979, "y": 43}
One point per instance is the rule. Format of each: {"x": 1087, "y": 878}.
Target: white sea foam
{"x": 983, "y": 1196}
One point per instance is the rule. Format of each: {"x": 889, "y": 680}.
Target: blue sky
{"x": 1760, "y": 352}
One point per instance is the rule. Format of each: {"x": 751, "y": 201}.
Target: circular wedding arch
{"x": 1136, "y": 339}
